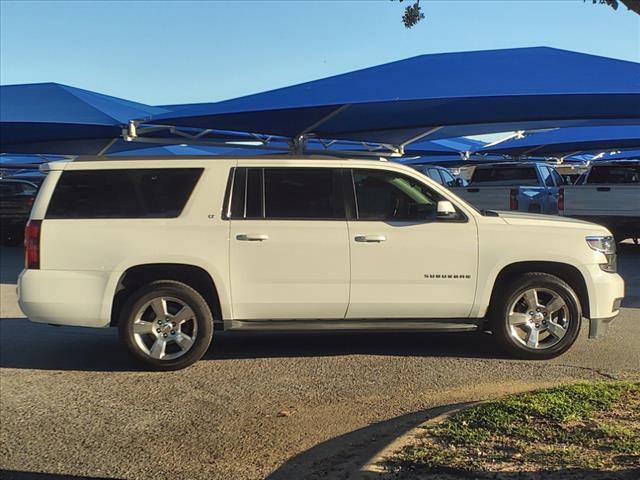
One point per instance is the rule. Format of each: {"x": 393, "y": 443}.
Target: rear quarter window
{"x": 124, "y": 193}
{"x": 505, "y": 176}
{"x": 614, "y": 174}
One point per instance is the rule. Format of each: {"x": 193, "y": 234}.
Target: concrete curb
{"x": 374, "y": 469}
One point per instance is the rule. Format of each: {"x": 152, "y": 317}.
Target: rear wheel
{"x": 167, "y": 325}
{"x": 538, "y": 317}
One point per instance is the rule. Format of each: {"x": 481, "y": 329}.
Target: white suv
{"x": 167, "y": 249}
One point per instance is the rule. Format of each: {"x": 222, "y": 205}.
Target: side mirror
{"x": 446, "y": 210}
{"x": 459, "y": 182}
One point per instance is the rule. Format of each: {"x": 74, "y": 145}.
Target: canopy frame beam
{"x": 420, "y": 136}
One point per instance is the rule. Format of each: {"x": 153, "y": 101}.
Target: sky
{"x": 170, "y": 52}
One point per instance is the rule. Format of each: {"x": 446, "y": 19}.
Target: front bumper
{"x": 606, "y": 291}
{"x": 598, "y": 327}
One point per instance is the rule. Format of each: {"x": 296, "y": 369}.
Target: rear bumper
{"x": 63, "y": 297}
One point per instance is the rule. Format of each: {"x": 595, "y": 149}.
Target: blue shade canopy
{"x": 566, "y": 140}
{"x": 633, "y": 154}
{"x": 188, "y": 151}
{"x": 622, "y": 155}
{"x": 459, "y": 145}
{"x": 30, "y": 159}
{"x": 444, "y": 95}
{"x": 20, "y": 162}
{"x": 55, "y": 118}
{"x": 451, "y": 160}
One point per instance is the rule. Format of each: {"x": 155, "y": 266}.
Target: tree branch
{"x": 633, "y": 5}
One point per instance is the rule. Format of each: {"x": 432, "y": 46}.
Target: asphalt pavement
{"x": 282, "y": 406}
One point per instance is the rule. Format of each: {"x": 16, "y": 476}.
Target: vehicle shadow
{"x": 344, "y": 456}
{"x": 349, "y": 456}
{"x": 26, "y": 345}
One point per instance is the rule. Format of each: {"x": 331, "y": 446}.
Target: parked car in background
{"x": 523, "y": 186}
{"x": 441, "y": 175}
{"x": 571, "y": 172}
{"x": 16, "y": 199}
{"x": 168, "y": 249}
{"x": 34, "y": 176}
{"x": 581, "y": 178}
{"x": 608, "y": 195}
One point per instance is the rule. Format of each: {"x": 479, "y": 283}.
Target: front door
{"x": 289, "y": 247}
{"x": 406, "y": 263}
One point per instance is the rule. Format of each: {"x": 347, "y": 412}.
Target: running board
{"x": 432, "y": 325}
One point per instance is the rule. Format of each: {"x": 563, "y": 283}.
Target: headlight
{"x": 606, "y": 245}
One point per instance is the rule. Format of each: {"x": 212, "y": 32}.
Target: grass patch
{"x": 586, "y": 426}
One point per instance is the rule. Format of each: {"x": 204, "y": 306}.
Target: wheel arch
{"x": 196, "y": 277}
{"x": 570, "y": 274}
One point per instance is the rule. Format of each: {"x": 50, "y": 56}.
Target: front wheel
{"x": 167, "y": 325}
{"x": 537, "y": 317}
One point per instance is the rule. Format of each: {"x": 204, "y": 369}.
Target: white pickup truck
{"x": 608, "y": 195}
{"x": 168, "y": 249}
{"x": 531, "y": 187}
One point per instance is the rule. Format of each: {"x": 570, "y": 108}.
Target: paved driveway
{"x": 285, "y": 405}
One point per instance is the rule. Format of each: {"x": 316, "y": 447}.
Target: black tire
{"x": 513, "y": 290}
{"x": 187, "y": 295}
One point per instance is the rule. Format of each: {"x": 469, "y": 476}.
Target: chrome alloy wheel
{"x": 165, "y": 328}
{"x": 539, "y": 318}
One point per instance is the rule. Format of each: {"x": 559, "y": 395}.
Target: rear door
{"x": 405, "y": 263}
{"x": 289, "y": 248}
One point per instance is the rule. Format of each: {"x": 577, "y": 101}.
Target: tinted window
{"x": 505, "y": 176}
{"x": 302, "y": 193}
{"x": 614, "y": 174}
{"x": 433, "y": 174}
{"x": 382, "y": 195}
{"x": 547, "y": 179}
{"x": 557, "y": 177}
{"x": 254, "y": 194}
{"x": 139, "y": 193}
{"x": 448, "y": 179}
{"x": 236, "y": 209}
{"x": 287, "y": 193}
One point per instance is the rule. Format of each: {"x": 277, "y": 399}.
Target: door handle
{"x": 370, "y": 238}
{"x": 258, "y": 237}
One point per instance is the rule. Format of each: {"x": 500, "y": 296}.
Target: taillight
{"x": 513, "y": 199}
{"x": 32, "y": 244}
{"x": 561, "y": 199}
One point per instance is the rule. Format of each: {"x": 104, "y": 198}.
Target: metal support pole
{"x": 298, "y": 144}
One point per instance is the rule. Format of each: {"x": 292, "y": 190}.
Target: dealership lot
{"x": 73, "y": 403}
